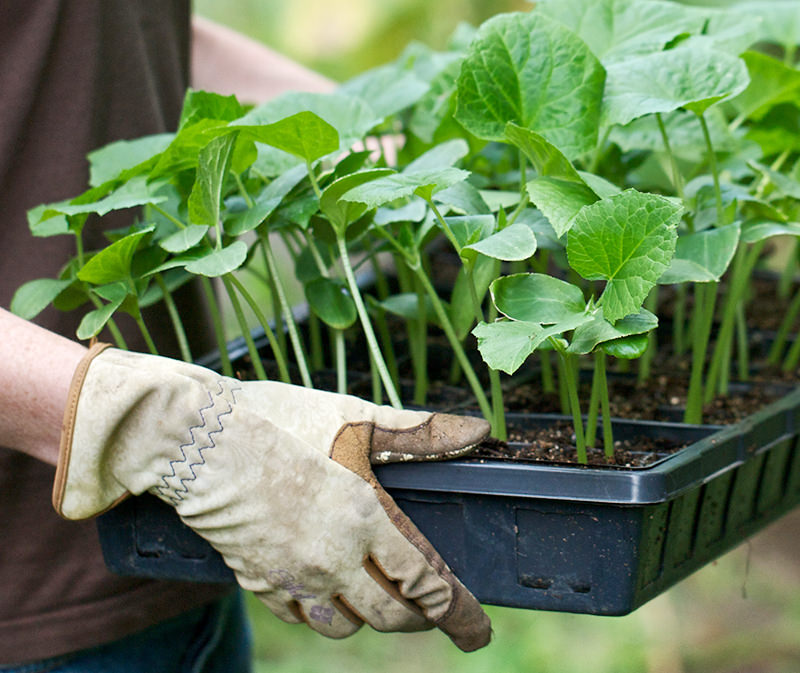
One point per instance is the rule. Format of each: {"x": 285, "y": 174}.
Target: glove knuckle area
{"x": 328, "y": 616}
{"x": 366, "y": 601}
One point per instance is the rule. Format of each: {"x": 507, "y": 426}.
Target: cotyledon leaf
{"x": 703, "y": 256}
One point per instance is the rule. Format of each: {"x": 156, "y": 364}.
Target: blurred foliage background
{"x": 341, "y": 38}
{"x": 738, "y": 615}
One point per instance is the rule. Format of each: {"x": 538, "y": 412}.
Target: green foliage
{"x": 527, "y": 69}
{"x": 627, "y": 240}
{"x": 571, "y": 158}
{"x": 686, "y": 77}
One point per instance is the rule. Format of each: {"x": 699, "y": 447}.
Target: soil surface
{"x": 556, "y": 445}
{"x": 662, "y": 398}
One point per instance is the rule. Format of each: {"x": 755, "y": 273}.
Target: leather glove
{"x": 278, "y": 479}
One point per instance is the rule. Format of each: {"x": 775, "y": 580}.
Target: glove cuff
{"x": 69, "y": 510}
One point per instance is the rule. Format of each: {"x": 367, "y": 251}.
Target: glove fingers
{"x": 430, "y": 585}
{"x": 408, "y": 564}
{"x": 279, "y": 607}
{"x": 440, "y": 436}
{"x": 333, "y": 618}
{"x": 374, "y": 599}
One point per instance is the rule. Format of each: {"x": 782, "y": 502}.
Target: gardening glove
{"x": 278, "y": 479}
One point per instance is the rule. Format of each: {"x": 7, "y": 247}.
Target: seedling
{"x": 581, "y": 161}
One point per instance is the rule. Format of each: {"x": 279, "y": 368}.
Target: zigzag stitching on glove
{"x": 178, "y": 492}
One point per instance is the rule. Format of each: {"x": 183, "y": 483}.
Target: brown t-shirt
{"x": 74, "y": 75}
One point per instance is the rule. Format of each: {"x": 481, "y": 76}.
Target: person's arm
{"x": 227, "y": 62}
{"x": 36, "y": 368}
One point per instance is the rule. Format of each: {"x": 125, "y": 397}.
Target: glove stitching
{"x": 178, "y": 492}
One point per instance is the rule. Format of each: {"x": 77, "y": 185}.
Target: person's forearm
{"x": 36, "y": 368}
{"x": 227, "y": 62}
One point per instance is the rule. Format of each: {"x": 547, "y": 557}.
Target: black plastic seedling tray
{"x": 589, "y": 540}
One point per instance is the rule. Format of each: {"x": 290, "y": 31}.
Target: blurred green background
{"x": 738, "y": 615}
{"x": 341, "y": 38}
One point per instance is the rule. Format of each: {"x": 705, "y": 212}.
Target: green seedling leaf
{"x": 514, "y": 243}
{"x": 685, "y": 134}
{"x": 300, "y": 211}
{"x": 546, "y": 158}
{"x": 94, "y": 321}
{"x": 212, "y": 169}
{"x": 705, "y": 202}
{"x": 54, "y": 225}
{"x": 499, "y": 199}
{"x": 443, "y": 155}
{"x": 484, "y": 271}
{"x": 112, "y": 292}
{"x": 423, "y": 183}
{"x": 558, "y": 190}
{"x": 462, "y": 198}
{"x": 778, "y": 21}
{"x": 628, "y": 240}
{"x": 618, "y": 29}
{"x": 145, "y": 260}
{"x": 537, "y": 298}
{"x": 121, "y": 160}
{"x": 305, "y": 135}
{"x": 599, "y": 185}
{"x": 528, "y": 69}
{"x": 730, "y": 30}
{"x": 305, "y": 264}
{"x": 34, "y": 296}
{"x": 182, "y": 153}
{"x": 437, "y": 104}
{"x": 752, "y": 232}
{"x": 785, "y": 184}
{"x": 388, "y": 89}
{"x": 426, "y": 63}
{"x": 113, "y": 263}
{"x": 627, "y": 348}
{"x": 665, "y": 81}
{"x": 266, "y": 202}
{"x": 201, "y": 105}
{"x": 350, "y": 163}
{"x": 598, "y": 330}
{"x": 778, "y": 130}
{"x": 702, "y": 257}
{"x": 406, "y": 305}
{"x": 351, "y": 116}
{"x": 179, "y": 261}
{"x": 771, "y": 83}
{"x": 136, "y": 192}
{"x": 559, "y": 200}
{"x": 183, "y": 239}
{"x": 342, "y": 212}
{"x": 542, "y": 229}
{"x": 72, "y": 297}
{"x": 468, "y": 229}
{"x": 413, "y": 211}
{"x": 331, "y": 302}
{"x": 504, "y": 345}
{"x": 219, "y": 262}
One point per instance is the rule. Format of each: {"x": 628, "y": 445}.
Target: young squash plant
{"x": 580, "y": 161}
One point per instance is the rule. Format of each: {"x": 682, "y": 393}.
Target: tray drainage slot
{"x": 560, "y": 585}
{"x": 542, "y": 583}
